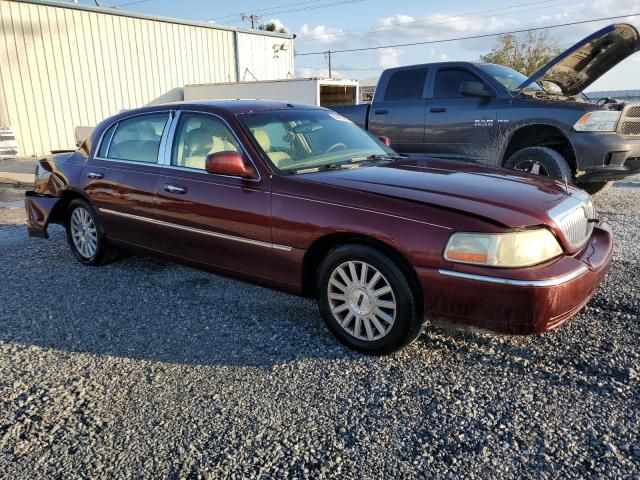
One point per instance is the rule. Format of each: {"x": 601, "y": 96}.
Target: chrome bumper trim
{"x": 199, "y": 230}
{"x": 550, "y": 282}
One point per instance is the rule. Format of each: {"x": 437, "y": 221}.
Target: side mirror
{"x": 385, "y": 140}
{"x": 228, "y": 163}
{"x": 475, "y": 89}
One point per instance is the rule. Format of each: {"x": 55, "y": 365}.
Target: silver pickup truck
{"x": 491, "y": 114}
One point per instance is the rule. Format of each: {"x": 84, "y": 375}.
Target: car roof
{"x": 235, "y": 106}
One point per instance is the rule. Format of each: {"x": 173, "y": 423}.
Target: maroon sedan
{"x": 300, "y": 199}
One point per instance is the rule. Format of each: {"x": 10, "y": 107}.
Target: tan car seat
{"x": 199, "y": 143}
{"x": 262, "y": 137}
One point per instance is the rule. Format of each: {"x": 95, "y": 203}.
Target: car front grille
{"x": 573, "y": 218}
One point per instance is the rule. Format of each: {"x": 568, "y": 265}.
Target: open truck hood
{"x": 582, "y": 64}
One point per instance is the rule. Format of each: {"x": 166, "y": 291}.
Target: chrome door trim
{"x": 224, "y": 236}
{"x": 550, "y": 282}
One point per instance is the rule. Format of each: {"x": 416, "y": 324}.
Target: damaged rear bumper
{"x": 39, "y": 208}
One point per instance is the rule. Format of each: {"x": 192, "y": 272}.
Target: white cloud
{"x": 319, "y": 33}
{"x": 388, "y": 58}
{"x": 306, "y": 72}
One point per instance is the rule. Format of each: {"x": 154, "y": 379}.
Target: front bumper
{"x": 527, "y": 301}
{"x": 605, "y": 156}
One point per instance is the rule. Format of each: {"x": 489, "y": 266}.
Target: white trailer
{"x": 314, "y": 91}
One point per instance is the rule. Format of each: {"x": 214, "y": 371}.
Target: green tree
{"x": 526, "y": 54}
{"x": 272, "y": 27}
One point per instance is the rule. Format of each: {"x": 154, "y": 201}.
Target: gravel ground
{"x": 145, "y": 369}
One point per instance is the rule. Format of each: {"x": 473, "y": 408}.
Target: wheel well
{"x": 319, "y": 249}
{"x": 541, "y": 136}
{"x": 59, "y": 212}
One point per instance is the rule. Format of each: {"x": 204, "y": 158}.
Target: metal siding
{"x": 67, "y": 67}
{"x": 256, "y": 53}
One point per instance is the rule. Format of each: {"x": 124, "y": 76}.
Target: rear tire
{"x": 86, "y": 236}
{"x": 595, "y": 188}
{"x": 367, "y": 300}
{"x": 541, "y": 161}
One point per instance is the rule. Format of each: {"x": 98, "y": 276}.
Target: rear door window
{"x": 406, "y": 84}
{"x": 136, "y": 139}
{"x": 448, "y": 82}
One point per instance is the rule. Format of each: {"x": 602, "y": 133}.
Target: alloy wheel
{"x": 361, "y": 300}
{"x": 84, "y": 232}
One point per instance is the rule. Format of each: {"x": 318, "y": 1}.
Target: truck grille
{"x": 633, "y": 112}
{"x": 630, "y": 124}
{"x": 630, "y": 128}
{"x": 574, "y": 221}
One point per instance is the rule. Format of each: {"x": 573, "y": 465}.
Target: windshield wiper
{"x": 358, "y": 160}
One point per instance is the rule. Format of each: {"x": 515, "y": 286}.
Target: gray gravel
{"x": 147, "y": 369}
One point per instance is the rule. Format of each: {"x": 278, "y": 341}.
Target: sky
{"x": 322, "y": 25}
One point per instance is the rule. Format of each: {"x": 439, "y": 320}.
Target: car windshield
{"x": 508, "y": 77}
{"x": 302, "y": 141}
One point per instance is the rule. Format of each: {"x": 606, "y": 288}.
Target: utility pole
{"x": 327, "y": 56}
{"x": 253, "y": 18}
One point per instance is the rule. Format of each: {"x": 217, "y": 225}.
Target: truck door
{"x": 399, "y": 113}
{"x": 460, "y": 126}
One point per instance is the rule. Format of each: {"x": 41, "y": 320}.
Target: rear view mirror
{"x": 228, "y": 163}
{"x": 475, "y": 89}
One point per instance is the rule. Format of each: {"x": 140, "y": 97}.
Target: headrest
{"x": 199, "y": 140}
{"x": 262, "y": 138}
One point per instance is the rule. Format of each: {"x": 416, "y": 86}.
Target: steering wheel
{"x": 335, "y": 146}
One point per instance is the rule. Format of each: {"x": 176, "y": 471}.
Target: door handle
{"x": 174, "y": 189}
{"x": 381, "y": 111}
{"x": 94, "y": 175}
{"x": 438, "y": 109}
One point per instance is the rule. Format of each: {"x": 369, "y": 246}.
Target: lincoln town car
{"x": 300, "y": 199}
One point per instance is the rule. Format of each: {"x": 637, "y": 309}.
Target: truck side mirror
{"x": 475, "y": 89}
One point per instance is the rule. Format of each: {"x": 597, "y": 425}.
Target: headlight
{"x": 513, "y": 249}
{"x": 601, "y": 121}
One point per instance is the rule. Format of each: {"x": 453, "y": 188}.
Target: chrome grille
{"x": 572, "y": 217}
{"x": 633, "y": 112}
{"x": 630, "y": 128}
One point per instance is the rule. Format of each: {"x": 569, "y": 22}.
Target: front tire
{"x": 542, "y": 161}
{"x": 85, "y": 234}
{"x": 367, "y": 301}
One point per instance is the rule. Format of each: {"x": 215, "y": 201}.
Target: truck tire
{"x": 541, "y": 161}
{"x": 595, "y": 188}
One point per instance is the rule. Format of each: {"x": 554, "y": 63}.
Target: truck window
{"x": 448, "y": 82}
{"x": 406, "y": 84}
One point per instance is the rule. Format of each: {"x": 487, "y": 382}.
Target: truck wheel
{"x": 593, "y": 188}
{"x": 541, "y": 161}
{"x": 367, "y": 301}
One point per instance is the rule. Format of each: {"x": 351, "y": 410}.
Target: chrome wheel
{"x": 83, "y": 232}
{"x": 361, "y": 300}
{"x": 531, "y": 166}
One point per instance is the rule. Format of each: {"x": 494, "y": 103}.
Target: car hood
{"x": 502, "y": 197}
{"x": 582, "y": 64}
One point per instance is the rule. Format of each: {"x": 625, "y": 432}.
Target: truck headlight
{"x": 599, "y": 121}
{"x": 512, "y": 249}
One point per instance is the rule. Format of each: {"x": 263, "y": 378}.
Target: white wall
{"x": 73, "y": 66}
{"x": 258, "y": 58}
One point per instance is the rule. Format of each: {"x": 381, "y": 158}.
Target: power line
{"x": 233, "y": 15}
{"x": 346, "y": 33}
{"x": 470, "y": 37}
{"x": 131, "y": 3}
{"x": 302, "y": 9}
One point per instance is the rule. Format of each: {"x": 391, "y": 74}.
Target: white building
{"x": 64, "y": 65}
